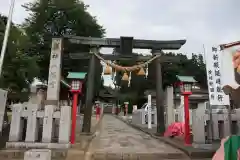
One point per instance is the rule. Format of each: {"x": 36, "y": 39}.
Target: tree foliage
{"x": 183, "y": 66}
{"x": 56, "y": 18}
{"x": 19, "y": 69}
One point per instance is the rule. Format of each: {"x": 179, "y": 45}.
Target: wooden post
{"x": 159, "y": 95}
{"x": 89, "y": 94}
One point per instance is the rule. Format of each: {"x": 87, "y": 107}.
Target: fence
{"x": 34, "y": 128}
{"x": 204, "y": 131}
{"x": 140, "y": 117}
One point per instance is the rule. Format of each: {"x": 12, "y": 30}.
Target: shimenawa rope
{"x": 125, "y": 68}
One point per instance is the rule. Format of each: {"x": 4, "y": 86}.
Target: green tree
{"x": 183, "y": 66}
{"x": 198, "y": 69}
{"x": 55, "y": 18}
{"x": 19, "y": 69}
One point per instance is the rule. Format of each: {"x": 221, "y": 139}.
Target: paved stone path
{"x": 117, "y": 140}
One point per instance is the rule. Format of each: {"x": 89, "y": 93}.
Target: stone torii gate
{"x": 123, "y": 46}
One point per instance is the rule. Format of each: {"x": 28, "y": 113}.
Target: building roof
{"x": 76, "y": 75}
{"x": 186, "y": 79}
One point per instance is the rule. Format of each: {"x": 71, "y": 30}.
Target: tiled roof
{"x": 76, "y": 75}
{"x": 186, "y": 79}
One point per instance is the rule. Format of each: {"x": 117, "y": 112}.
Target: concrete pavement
{"x": 191, "y": 151}
{"x": 117, "y": 140}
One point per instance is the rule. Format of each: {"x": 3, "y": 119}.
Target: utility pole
{"x": 6, "y": 35}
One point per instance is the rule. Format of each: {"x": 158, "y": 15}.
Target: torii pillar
{"x": 159, "y": 94}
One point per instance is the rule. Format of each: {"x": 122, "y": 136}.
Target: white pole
{"x": 149, "y": 112}
{"x": 6, "y": 35}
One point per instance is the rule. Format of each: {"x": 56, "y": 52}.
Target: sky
{"x": 200, "y": 22}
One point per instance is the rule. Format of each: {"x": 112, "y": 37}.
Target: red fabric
{"x": 175, "y": 129}
{"x": 98, "y": 110}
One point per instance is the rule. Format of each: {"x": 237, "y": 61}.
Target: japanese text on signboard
{"x": 217, "y": 74}
{"x": 216, "y": 95}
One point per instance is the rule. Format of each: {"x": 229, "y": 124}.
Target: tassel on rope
{"x": 107, "y": 70}
{"x": 113, "y": 73}
{"x": 129, "y": 79}
{"x": 121, "y": 68}
{"x": 141, "y": 72}
{"x": 125, "y": 77}
{"x": 146, "y": 71}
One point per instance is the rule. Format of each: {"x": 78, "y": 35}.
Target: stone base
{"x": 15, "y": 154}
{"x": 38, "y": 154}
{"x": 202, "y": 146}
{"x": 37, "y": 145}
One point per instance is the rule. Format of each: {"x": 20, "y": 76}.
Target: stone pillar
{"x": 143, "y": 118}
{"x": 170, "y": 105}
{"x": 102, "y": 109}
{"x": 3, "y": 99}
{"x": 41, "y": 97}
{"x": 181, "y": 109}
{"x": 48, "y": 124}
{"x": 215, "y": 127}
{"x": 54, "y": 76}
{"x": 15, "y": 134}
{"x": 65, "y": 124}
{"x": 155, "y": 117}
{"x": 113, "y": 109}
{"x": 37, "y": 154}
{"x": 159, "y": 94}
{"x": 32, "y": 128}
{"x": 198, "y": 125}
{"x": 227, "y": 127}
